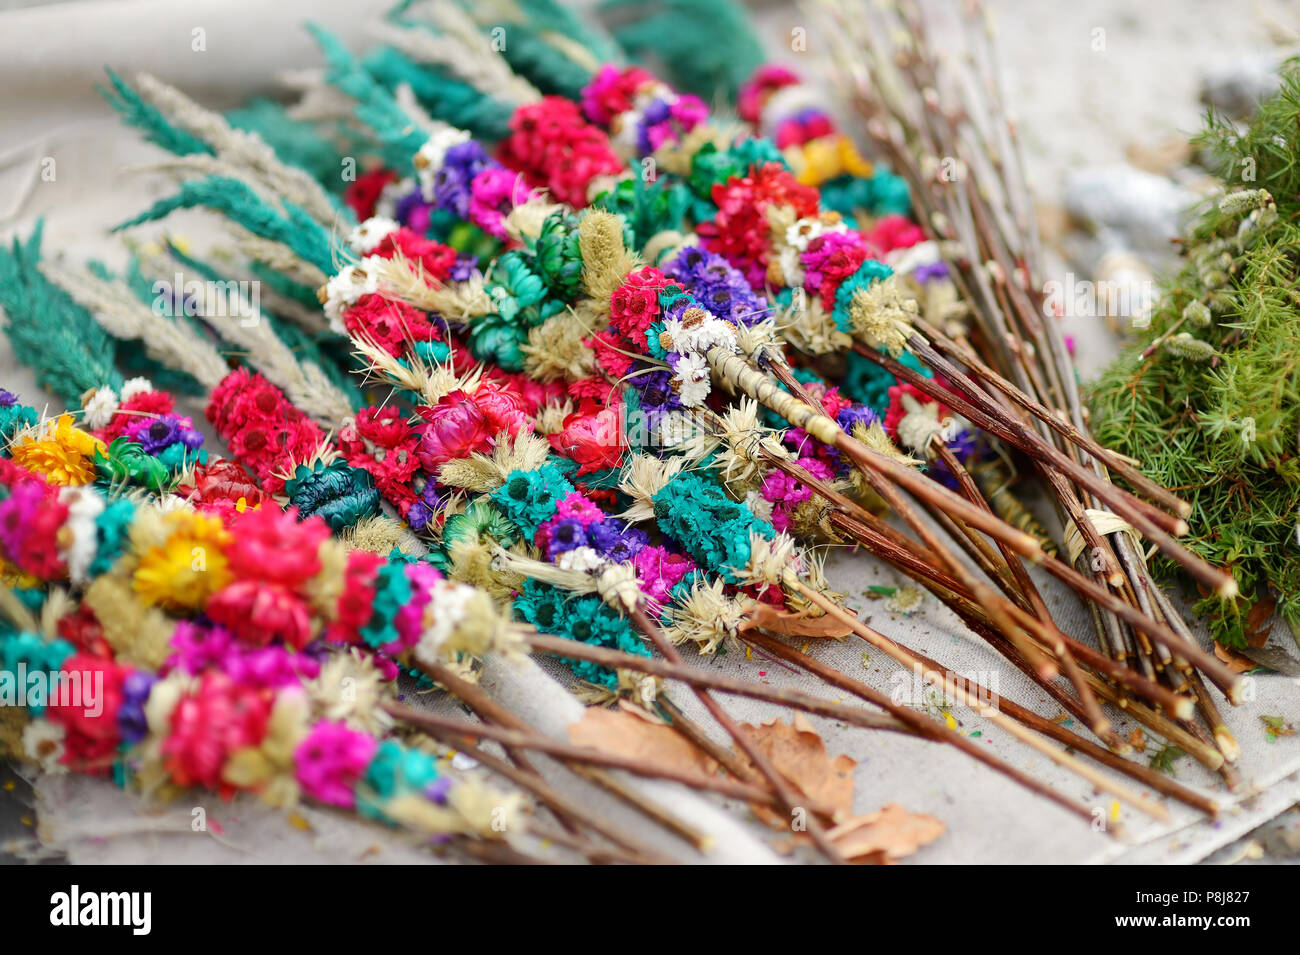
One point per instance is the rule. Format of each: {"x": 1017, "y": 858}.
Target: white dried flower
{"x": 43, "y": 742}
{"x": 343, "y": 290}
{"x": 98, "y": 408}
{"x": 366, "y": 237}
{"x": 919, "y": 424}
{"x": 580, "y": 559}
{"x": 135, "y": 386}
{"x": 82, "y": 536}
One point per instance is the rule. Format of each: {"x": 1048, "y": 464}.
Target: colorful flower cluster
{"x": 260, "y": 427}
{"x": 554, "y": 147}
{"x": 709, "y": 525}
{"x": 641, "y": 112}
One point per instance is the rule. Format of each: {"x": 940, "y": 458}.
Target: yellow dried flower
{"x": 188, "y": 567}
{"x": 63, "y": 453}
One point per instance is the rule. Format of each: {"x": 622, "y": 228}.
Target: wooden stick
{"x": 789, "y": 798}
{"x": 1145, "y": 774}
{"x": 452, "y": 728}
{"x": 1060, "y": 425}
{"x": 1060, "y": 757}
{"x": 489, "y": 709}
{"x": 909, "y": 717}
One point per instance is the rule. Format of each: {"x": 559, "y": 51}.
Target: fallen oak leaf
{"x": 1254, "y": 626}
{"x": 798, "y": 753}
{"x": 766, "y": 617}
{"x": 624, "y": 733}
{"x": 885, "y": 836}
{"x": 1235, "y": 661}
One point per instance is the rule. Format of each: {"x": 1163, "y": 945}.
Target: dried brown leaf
{"x": 799, "y": 754}
{"x": 794, "y": 625}
{"x": 885, "y": 836}
{"x": 1235, "y": 661}
{"x": 624, "y": 733}
{"x": 1256, "y": 631}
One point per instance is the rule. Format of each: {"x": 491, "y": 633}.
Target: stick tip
{"x": 1185, "y": 709}
{"x": 1234, "y": 691}
{"x": 1227, "y": 588}
{"x": 1227, "y": 744}
{"x": 1181, "y": 528}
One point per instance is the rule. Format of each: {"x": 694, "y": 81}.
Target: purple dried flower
{"x": 567, "y": 534}
{"x": 131, "y": 722}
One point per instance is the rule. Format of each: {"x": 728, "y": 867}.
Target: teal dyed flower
{"x": 13, "y": 418}
{"x": 754, "y": 151}
{"x": 889, "y": 194}
{"x": 514, "y": 286}
{"x": 392, "y": 592}
{"x": 432, "y": 352}
{"x": 177, "y": 458}
{"x": 529, "y": 498}
{"x": 111, "y": 527}
{"x": 337, "y": 492}
{"x": 24, "y": 654}
{"x": 587, "y": 619}
{"x": 868, "y": 272}
{"x": 712, "y": 528}
{"x": 394, "y": 771}
{"x": 498, "y": 340}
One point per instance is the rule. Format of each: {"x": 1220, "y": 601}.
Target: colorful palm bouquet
{"x": 572, "y": 366}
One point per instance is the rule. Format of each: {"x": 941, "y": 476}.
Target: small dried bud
{"x": 1214, "y": 278}
{"x": 1248, "y": 200}
{"x": 1193, "y": 349}
{"x": 1197, "y": 314}
{"x": 1220, "y": 302}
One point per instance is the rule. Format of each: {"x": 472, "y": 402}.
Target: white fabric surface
{"x": 50, "y": 57}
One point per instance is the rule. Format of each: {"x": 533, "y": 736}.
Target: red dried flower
{"x": 595, "y": 441}
{"x": 634, "y": 306}
{"x": 88, "y": 711}
{"x": 258, "y": 612}
{"x": 437, "y": 260}
{"x": 356, "y": 602}
{"x": 217, "y": 718}
{"x": 272, "y": 545}
{"x": 218, "y": 486}
{"x": 389, "y": 323}
{"x": 363, "y": 194}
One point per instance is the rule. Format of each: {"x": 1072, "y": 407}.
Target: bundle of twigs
{"x": 938, "y": 117}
